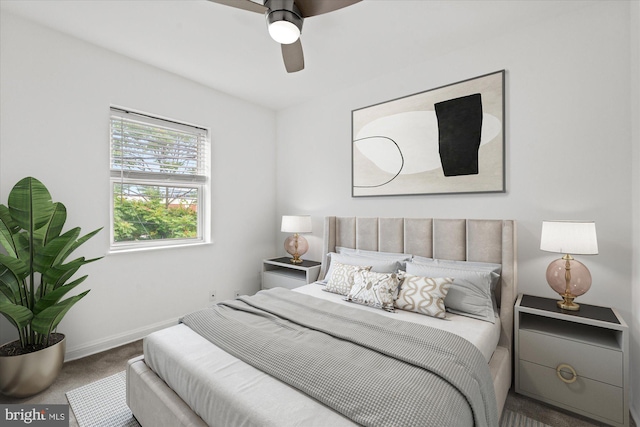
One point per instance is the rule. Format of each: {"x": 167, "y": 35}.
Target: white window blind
{"x": 144, "y": 147}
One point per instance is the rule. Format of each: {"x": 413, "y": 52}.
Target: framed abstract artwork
{"x": 440, "y": 141}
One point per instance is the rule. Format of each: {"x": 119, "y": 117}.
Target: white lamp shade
{"x": 296, "y": 224}
{"x": 569, "y": 237}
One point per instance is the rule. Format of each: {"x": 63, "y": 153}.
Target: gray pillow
{"x": 471, "y": 292}
{"x": 464, "y": 265}
{"x": 373, "y": 254}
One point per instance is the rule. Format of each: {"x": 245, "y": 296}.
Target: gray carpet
{"x": 102, "y": 404}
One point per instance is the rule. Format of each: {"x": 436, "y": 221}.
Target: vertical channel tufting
{"x": 328, "y": 243}
{"x": 391, "y": 235}
{"x": 367, "y": 234}
{"x": 479, "y": 247}
{"x": 484, "y": 244}
{"x": 508, "y": 281}
{"x": 418, "y": 237}
{"x": 450, "y": 239}
{"x": 346, "y": 232}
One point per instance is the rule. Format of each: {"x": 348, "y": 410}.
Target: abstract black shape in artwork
{"x": 459, "y": 130}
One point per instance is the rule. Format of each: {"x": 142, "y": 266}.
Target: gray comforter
{"x": 374, "y": 370}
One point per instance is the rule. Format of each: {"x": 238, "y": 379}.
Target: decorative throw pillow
{"x": 379, "y": 265}
{"x": 471, "y": 293}
{"x": 374, "y": 289}
{"x": 424, "y": 295}
{"x": 341, "y": 279}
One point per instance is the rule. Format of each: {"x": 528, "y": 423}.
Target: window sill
{"x": 129, "y": 249}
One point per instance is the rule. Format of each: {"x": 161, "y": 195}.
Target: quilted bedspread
{"x": 374, "y": 370}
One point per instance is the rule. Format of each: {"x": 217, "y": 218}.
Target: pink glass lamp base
{"x": 569, "y": 278}
{"x": 296, "y": 246}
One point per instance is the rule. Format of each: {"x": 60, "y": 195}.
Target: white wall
{"x": 568, "y": 146}
{"x": 56, "y": 93}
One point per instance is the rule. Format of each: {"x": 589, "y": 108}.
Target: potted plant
{"x": 35, "y": 276}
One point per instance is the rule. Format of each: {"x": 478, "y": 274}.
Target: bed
{"x": 183, "y": 378}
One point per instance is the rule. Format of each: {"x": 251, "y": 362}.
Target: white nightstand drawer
{"x": 590, "y": 361}
{"x": 585, "y": 395}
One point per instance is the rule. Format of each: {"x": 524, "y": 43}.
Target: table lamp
{"x": 566, "y": 276}
{"x": 296, "y": 245}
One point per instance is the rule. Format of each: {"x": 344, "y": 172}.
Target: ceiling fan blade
{"x": 293, "y": 56}
{"x": 318, "y": 7}
{"x": 243, "y": 4}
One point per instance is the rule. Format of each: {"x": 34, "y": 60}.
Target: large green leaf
{"x": 13, "y": 272}
{"x": 53, "y": 227}
{"x": 47, "y": 320}
{"x": 8, "y": 228}
{"x": 47, "y": 256}
{"x": 58, "y": 275}
{"x": 63, "y": 256}
{"x": 12, "y": 287}
{"x": 30, "y": 204}
{"x": 53, "y": 297}
{"x": 23, "y": 245}
{"x": 18, "y": 315}
{"x": 18, "y": 267}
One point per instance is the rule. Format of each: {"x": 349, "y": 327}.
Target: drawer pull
{"x": 574, "y": 376}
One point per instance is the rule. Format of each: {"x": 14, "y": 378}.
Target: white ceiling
{"x": 230, "y": 50}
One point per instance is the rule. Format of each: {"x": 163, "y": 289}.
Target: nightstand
{"x": 283, "y": 273}
{"x": 576, "y": 360}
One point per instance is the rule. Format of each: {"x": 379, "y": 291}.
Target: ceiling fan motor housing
{"x": 283, "y": 10}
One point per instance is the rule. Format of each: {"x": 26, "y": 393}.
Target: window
{"x": 159, "y": 178}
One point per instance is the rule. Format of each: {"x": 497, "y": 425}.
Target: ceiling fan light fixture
{"x": 284, "y": 31}
{"x": 284, "y": 21}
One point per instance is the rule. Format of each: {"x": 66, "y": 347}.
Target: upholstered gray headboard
{"x": 454, "y": 239}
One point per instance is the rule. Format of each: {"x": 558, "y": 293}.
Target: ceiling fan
{"x": 285, "y": 18}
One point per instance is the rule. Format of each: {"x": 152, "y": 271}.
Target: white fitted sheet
{"x": 225, "y": 391}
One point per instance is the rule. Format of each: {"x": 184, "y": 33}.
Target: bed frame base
{"x": 153, "y": 403}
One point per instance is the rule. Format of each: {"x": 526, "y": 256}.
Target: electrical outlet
{"x": 212, "y": 295}
{"x": 237, "y": 292}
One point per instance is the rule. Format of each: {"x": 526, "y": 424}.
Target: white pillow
{"x": 424, "y": 295}
{"x": 471, "y": 292}
{"x": 374, "y": 289}
{"x": 342, "y": 278}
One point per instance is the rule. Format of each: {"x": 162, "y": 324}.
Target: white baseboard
{"x": 115, "y": 340}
